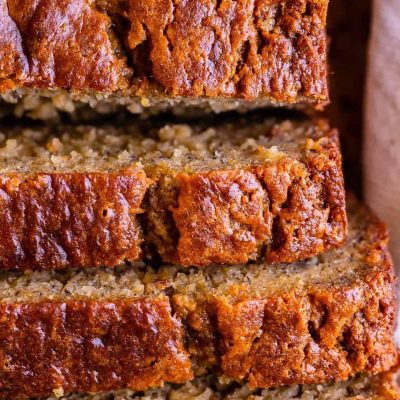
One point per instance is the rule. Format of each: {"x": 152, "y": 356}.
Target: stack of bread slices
{"x": 173, "y": 218}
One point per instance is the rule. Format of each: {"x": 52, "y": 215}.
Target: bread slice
{"x": 160, "y": 54}
{"x": 191, "y": 194}
{"x": 325, "y": 319}
{"x": 379, "y": 387}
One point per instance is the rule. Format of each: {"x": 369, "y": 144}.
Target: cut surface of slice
{"x": 379, "y": 387}
{"x": 112, "y": 53}
{"x": 324, "y": 319}
{"x": 191, "y": 194}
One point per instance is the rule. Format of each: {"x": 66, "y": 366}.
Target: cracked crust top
{"x": 273, "y": 50}
{"x": 88, "y": 196}
{"x": 325, "y": 319}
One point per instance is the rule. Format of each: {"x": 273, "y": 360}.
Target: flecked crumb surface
{"x": 172, "y": 146}
{"x": 381, "y": 387}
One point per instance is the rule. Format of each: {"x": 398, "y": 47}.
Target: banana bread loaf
{"x": 105, "y": 53}
{"x": 193, "y": 195}
{"x": 379, "y": 387}
{"x": 325, "y": 319}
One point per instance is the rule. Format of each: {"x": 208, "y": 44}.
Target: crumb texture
{"x": 136, "y": 327}
{"x": 380, "y": 387}
{"x": 103, "y": 196}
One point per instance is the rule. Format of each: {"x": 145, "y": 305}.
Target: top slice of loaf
{"x": 191, "y": 194}
{"x": 161, "y": 53}
{"x": 324, "y": 319}
{"x": 379, "y": 387}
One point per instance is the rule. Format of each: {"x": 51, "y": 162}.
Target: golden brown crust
{"x": 13, "y": 63}
{"x": 238, "y": 49}
{"x": 317, "y": 334}
{"x": 386, "y": 386}
{"x": 284, "y": 209}
{"x": 66, "y": 44}
{"x": 52, "y": 221}
{"x": 89, "y": 346}
{"x": 311, "y": 334}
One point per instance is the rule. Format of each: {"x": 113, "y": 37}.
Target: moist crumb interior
{"x": 173, "y": 147}
{"x": 208, "y": 388}
{"x": 48, "y": 104}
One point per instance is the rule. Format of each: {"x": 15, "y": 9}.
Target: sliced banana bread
{"x": 207, "y": 53}
{"x": 379, "y": 387}
{"x": 325, "y": 319}
{"x": 194, "y": 195}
